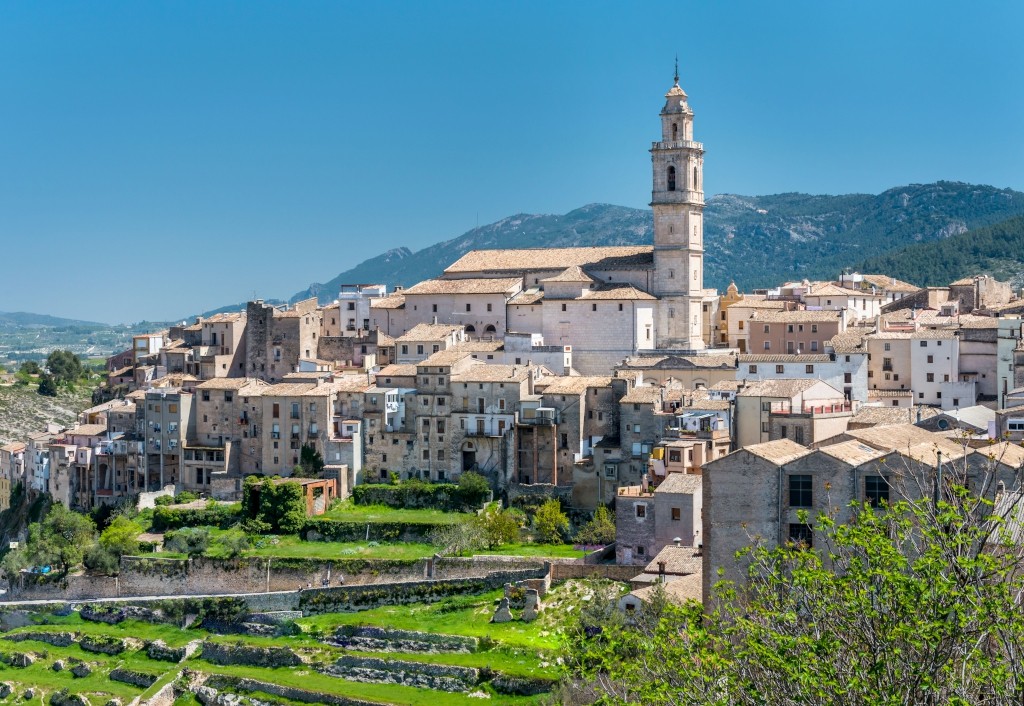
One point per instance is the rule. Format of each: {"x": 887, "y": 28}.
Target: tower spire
{"x": 677, "y": 70}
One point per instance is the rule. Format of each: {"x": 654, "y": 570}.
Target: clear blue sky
{"x": 162, "y": 158}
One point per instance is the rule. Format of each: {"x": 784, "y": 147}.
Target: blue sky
{"x": 164, "y": 158}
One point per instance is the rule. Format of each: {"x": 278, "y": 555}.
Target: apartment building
{"x": 805, "y": 411}
{"x": 799, "y": 332}
{"x": 12, "y": 471}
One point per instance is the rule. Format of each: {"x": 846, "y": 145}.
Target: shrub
{"x": 121, "y": 537}
{"x": 222, "y": 516}
{"x": 164, "y": 500}
{"x": 193, "y": 541}
{"x": 550, "y": 523}
{"x": 185, "y": 496}
{"x": 100, "y": 560}
{"x": 498, "y": 526}
{"x": 600, "y": 529}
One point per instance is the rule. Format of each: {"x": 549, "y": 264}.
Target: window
{"x": 764, "y": 427}
{"x": 779, "y": 369}
{"x": 740, "y": 326}
{"x": 563, "y": 307}
{"x": 671, "y": 178}
{"x": 876, "y": 490}
{"x": 426, "y": 455}
{"x": 419, "y": 350}
{"x": 405, "y": 349}
{"x": 295, "y": 410}
{"x": 676, "y": 513}
{"x": 767, "y": 328}
{"x": 930, "y": 377}
{"x": 620, "y": 306}
{"x": 809, "y": 369}
{"x": 440, "y": 454}
{"x": 752, "y": 369}
{"x": 924, "y": 344}
{"x": 814, "y": 328}
{"x": 593, "y": 307}
{"x": 801, "y": 534}
{"x": 931, "y": 359}
{"x": 789, "y": 328}
{"x": 434, "y": 307}
{"x": 469, "y": 307}
{"x": 276, "y": 412}
{"x": 767, "y": 345}
{"x": 888, "y": 346}
{"x": 641, "y": 510}
{"x": 798, "y": 435}
{"x": 814, "y": 346}
{"x": 488, "y": 307}
{"x": 800, "y": 494}
{"x": 206, "y": 395}
{"x": 848, "y": 378}
{"x": 674, "y": 456}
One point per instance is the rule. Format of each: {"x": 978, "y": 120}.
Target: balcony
{"x": 812, "y": 409}
{"x": 678, "y": 145}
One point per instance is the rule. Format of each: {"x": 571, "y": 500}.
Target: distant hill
{"x": 997, "y": 250}
{"x": 21, "y": 319}
{"x": 755, "y": 240}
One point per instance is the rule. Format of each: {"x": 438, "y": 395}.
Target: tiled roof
{"x": 749, "y": 302}
{"x": 445, "y": 357}
{"x": 852, "y": 452}
{"x": 779, "y": 451}
{"x": 678, "y": 590}
{"x": 781, "y": 387}
{"x": 799, "y": 316}
{"x": 296, "y": 389}
{"x": 783, "y": 358}
{"x": 881, "y": 416}
{"x": 850, "y": 341}
{"x": 429, "y": 332}
{"x": 502, "y": 285}
{"x": 620, "y": 291}
{"x": 890, "y": 393}
{"x": 679, "y": 483}
{"x": 963, "y": 282}
{"x": 394, "y": 300}
{"x": 493, "y": 373}
{"x": 529, "y": 296}
{"x": 225, "y": 317}
{"x": 14, "y": 447}
{"x": 828, "y": 289}
{"x": 921, "y": 334}
{"x": 573, "y": 273}
{"x": 572, "y": 384}
{"x": 890, "y": 284}
{"x": 647, "y": 394}
{"x": 230, "y": 383}
{"x": 1005, "y": 452}
{"x": 530, "y": 259}
{"x": 398, "y": 370}
{"x": 88, "y": 430}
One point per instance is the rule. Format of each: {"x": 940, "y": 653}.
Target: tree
{"x": 121, "y": 536}
{"x": 600, "y": 529}
{"x": 913, "y": 603}
{"x": 499, "y": 526}
{"x": 473, "y": 489}
{"x": 29, "y": 367}
{"x": 61, "y": 538}
{"x": 64, "y": 366}
{"x": 458, "y": 537}
{"x": 311, "y": 463}
{"x": 231, "y": 543}
{"x": 193, "y": 541}
{"x": 550, "y": 523}
{"x": 47, "y": 386}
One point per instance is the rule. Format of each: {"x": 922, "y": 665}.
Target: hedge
{"x": 222, "y": 516}
{"x": 448, "y": 497}
{"x": 322, "y": 529}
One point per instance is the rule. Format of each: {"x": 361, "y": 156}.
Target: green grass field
{"x": 348, "y": 511}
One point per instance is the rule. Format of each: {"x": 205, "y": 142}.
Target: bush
{"x": 471, "y": 492}
{"x": 498, "y": 526}
{"x": 231, "y": 544}
{"x": 459, "y": 538}
{"x": 221, "y": 516}
{"x": 164, "y": 500}
{"x": 185, "y": 496}
{"x": 193, "y": 541}
{"x": 121, "y": 537}
{"x": 600, "y": 529}
{"x": 550, "y": 523}
{"x": 100, "y": 560}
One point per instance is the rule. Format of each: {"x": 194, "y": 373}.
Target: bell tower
{"x": 677, "y": 200}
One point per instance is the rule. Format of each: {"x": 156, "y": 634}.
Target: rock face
{"x": 102, "y": 644}
{"x": 57, "y": 639}
{"x": 58, "y": 666}
{"x": 20, "y": 659}
{"x": 63, "y": 698}
{"x": 81, "y": 670}
{"x": 5, "y": 690}
{"x": 159, "y": 650}
{"x": 139, "y": 679}
{"x": 373, "y": 639}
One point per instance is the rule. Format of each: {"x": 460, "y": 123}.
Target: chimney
{"x": 678, "y": 541}
{"x": 661, "y": 572}
{"x": 435, "y": 319}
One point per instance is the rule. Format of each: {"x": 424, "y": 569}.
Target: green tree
{"x": 231, "y": 544}
{"x": 121, "y": 536}
{"x": 101, "y": 561}
{"x": 47, "y": 386}
{"x": 282, "y": 506}
{"x": 64, "y": 366}
{"x": 311, "y": 463}
{"x": 600, "y": 529}
{"x": 550, "y": 523}
{"x": 458, "y": 538}
{"x": 913, "y": 603}
{"x": 473, "y": 489}
{"x": 499, "y": 526}
{"x": 193, "y": 541}
{"x": 29, "y": 367}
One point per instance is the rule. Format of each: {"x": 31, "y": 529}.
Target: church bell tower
{"x": 678, "y": 203}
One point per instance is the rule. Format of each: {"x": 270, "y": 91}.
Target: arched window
{"x": 675, "y": 132}
{"x": 695, "y": 178}
{"x": 671, "y": 178}
{"x": 490, "y": 329}
{"x": 471, "y": 329}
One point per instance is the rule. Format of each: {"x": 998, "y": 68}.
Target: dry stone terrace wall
{"x": 150, "y": 576}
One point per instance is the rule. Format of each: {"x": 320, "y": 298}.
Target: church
{"x": 605, "y": 303}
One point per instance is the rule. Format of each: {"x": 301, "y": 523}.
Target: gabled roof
{"x": 429, "y": 332}
{"x": 685, "y": 483}
{"x": 779, "y": 451}
{"x": 533, "y": 259}
{"x": 503, "y": 285}
{"x": 781, "y": 387}
{"x": 573, "y": 273}
{"x": 852, "y": 452}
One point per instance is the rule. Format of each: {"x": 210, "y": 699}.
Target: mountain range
{"x": 756, "y": 241}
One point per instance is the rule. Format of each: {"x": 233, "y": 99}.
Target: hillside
{"x": 755, "y": 240}
{"x": 24, "y": 411}
{"x": 21, "y": 319}
{"x": 996, "y": 250}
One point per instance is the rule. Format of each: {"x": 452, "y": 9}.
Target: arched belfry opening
{"x": 671, "y": 178}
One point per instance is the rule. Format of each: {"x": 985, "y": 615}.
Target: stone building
{"x": 12, "y": 471}
{"x": 799, "y": 332}
{"x": 165, "y": 420}
{"x": 649, "y": 519}
{"x": 276, "y": 339}
{"x": 806, "y": 411}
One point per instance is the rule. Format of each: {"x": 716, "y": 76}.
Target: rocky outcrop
{"x": 417, "y": 674}
{"x": 222, "y": 653}
{"x": 19, "y": 659}
{"x": 64, "y": 698}
{"x": 57, "y": 639}
{"x": 81, "y": 670}
{"x": 139, "y": 679}
{"x": 373, "y": 639}
{"x": 101, "y": 644}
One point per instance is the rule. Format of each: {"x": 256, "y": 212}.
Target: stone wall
{"x": 614, "y": 572}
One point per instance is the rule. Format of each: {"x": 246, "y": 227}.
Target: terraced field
{"x": 442, "y": 653}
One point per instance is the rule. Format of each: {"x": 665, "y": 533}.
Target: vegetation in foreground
{"x": 914, "y": 603}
